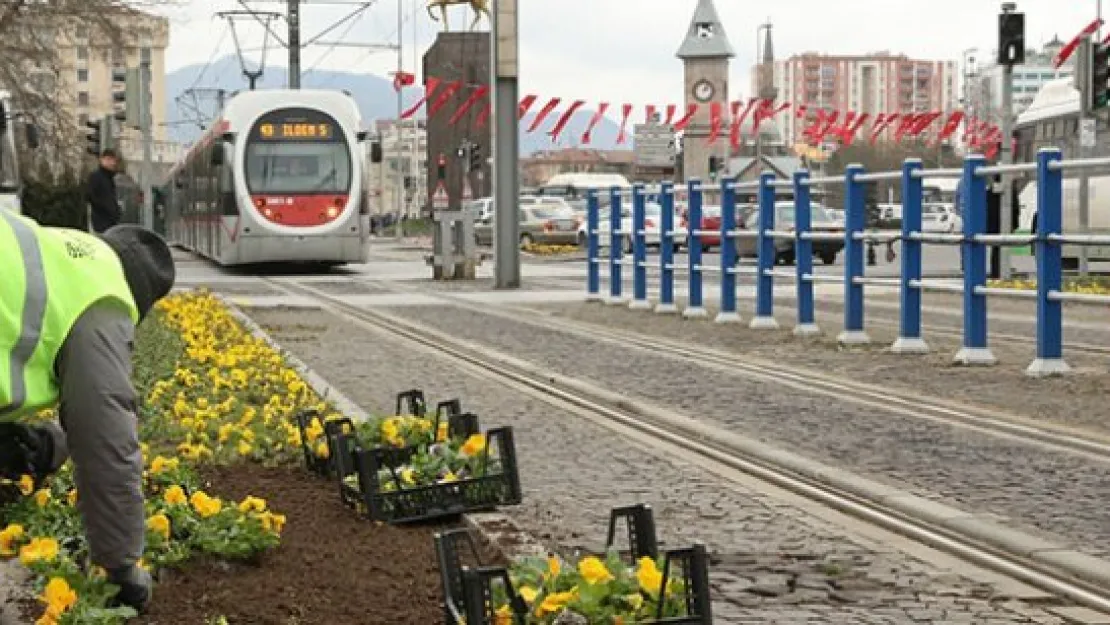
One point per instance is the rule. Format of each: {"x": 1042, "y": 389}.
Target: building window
{"x": 83, "y": 98}
{"x": 82, "y": 53}
{"x": 117, "y": 56}
{"x": 83, "y": 119}
{"x": 82, "y": 75}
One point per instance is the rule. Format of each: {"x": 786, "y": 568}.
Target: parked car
{"x": 821, "y": 220}
{"x": 940, "y": 218}
{"x": 540, "y": 223}
{"x": 653, "y": 221}
{"x": 711, "y": 224}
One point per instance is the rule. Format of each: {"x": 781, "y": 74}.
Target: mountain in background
{"x": 375, "y": 97}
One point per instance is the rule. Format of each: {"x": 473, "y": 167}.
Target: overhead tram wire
{"x": 331, "y": 47}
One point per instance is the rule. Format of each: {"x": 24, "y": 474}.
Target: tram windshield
{"x": 297, "y": 151}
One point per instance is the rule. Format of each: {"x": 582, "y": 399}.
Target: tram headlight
{"x": 331, "y": 212}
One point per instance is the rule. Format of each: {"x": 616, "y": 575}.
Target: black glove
{"x": 135, "y": 587}
{"x": 25, "y": 450}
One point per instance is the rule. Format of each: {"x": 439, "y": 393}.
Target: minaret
{"x": 705, "y": 54}
{"x": 767, "y": 89}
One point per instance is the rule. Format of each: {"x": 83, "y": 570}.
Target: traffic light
{"x": 129, "y": 97}
{"x": 96, "y": 138}
{"x": 1100, "y": 77}
{"x": 375, "y": 151}
{"x": 1011, "y": 36}
{"x": 714, "y": 165}
{"x": 441, "y": 168}
{"x": 475, "y": 157}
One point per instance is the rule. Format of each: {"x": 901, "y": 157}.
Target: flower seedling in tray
{"x": 644, "y": 588}
{"x": 405, "y": 433}
{"x": 446, "y": 478}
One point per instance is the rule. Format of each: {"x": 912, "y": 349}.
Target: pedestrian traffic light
{"x": 475, "y": 157}
{"x": 1100, "y": 77}
{"x": 713, "y": 167}
{"x": 375, "y": 151}
{"x": 441, "y": 167}
{"x": 1011, "y": 36}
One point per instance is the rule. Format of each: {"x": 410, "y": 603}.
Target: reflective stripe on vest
{"x": 34, "y": 309}
{"x": 64, "y": 272}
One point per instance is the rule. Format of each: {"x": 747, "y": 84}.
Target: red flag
{"x": 559, "y": 125}
{"x": 800, "y": 111}
{"x": 848, "y": 132}
{"x": 478, "y": 94}
{"x": 626, "y": 111}
{"x": 714, "y": 121}
{"x": 444, "y": 96}
{"x": 402, "y": 80}
{"x": 766, "y": 110}
{"x": 681, "y": 124}
{"x": 950, "y": 127}
{"x": 650, "y": 114}
{"x": 924, "y": 121}
{"x": 908, "y": 120}
{"x": 430, "y": 85}
{"x": 598, "y": 114}
{"x": 482, "y": 117}
{"x": 544, "y": 112}
{"x": 1065, "y": 53}
{"x": 670, "y": 114}
{"x": 881, "y": 125}
{"x": 813, "y": 128}
{"x": 739, "y": 119}
{"x": 525, "y": 104}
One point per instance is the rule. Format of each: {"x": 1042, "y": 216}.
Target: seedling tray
{"x": 424, "y": 503}
{"x": 466, "y": 590}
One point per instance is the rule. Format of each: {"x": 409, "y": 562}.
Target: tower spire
{"x": 706, "y": 37}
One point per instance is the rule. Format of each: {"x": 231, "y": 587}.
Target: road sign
{"x": 654, "y": 145}
{"x": 1087, "y": 137}
{"x": 466, "y": 194}
{"x": 440, "y": 201}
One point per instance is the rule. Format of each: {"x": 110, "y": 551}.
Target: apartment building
{"x": 984, "y": 82}
{"x": 874, "y": 83}
{"x": 404, "y": 159}
{"x": 85, "y": 84}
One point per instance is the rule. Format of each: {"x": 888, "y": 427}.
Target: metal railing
{"x": 974, "y": 243}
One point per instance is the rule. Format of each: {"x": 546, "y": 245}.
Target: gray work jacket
{"x": 98, "y": 427}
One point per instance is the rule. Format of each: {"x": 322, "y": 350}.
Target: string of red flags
{"x": 1069, "y": 49}
{"x": 726, "y": 120}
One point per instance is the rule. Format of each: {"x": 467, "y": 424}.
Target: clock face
{"x": 703, "y": 91}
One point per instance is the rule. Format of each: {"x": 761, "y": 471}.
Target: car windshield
{"x": 932, "y": 209}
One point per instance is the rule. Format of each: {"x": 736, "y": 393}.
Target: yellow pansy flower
{"x": 593, "y": 570}
{"x": 159, "y": 524}
{"x": 38, "y": 549}
{"x": 174, "y": 495}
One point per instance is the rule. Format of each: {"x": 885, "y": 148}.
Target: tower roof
{"x": 706, "y": 37}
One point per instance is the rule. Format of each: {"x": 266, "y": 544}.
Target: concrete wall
{"x": 461, "y": 56}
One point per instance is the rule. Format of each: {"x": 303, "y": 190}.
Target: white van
{"x": 1098, "y": 215}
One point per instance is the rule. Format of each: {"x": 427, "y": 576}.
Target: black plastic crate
{"x": 460, "y": 424}
{"x": 468, "y": 590}
{"x": 425, "y": 503}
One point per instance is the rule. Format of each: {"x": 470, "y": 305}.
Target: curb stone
{"x": 980, "y": 528}
{"x": 495, "y": 528}
{"x": 14, "y": 590}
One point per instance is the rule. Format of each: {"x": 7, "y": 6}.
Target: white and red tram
{"x": 279, "y": 177}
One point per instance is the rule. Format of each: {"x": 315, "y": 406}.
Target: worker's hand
{"x": 24, "y": 450}
{"x": 135, "y": 587}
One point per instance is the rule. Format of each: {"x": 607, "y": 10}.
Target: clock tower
{"x": 705, "y": 54}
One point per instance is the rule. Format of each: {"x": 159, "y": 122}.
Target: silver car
{"x": 540, "y": 223}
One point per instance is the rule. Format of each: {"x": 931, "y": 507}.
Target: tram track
{"x": 681, "y": 434}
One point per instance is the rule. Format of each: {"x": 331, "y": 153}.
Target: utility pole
{"x": 506, "y": 147}
{"x": 294, "y": 19}
{"x": 147, "y": 173}
{"x": 399, "y": 126}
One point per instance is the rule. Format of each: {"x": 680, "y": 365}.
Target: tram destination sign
{"x": 286, "y": 131}
{"x": 654, "y": 145}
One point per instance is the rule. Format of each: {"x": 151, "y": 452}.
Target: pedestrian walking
{"x": 67, "y": 324}
{"x": 100, "y": 193}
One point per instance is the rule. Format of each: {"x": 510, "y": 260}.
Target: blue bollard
{"x": 1050, "y": 321}
{"x": 616, "y": 247}
{"x": 855, "y": 218}
{"x": 765, "y": 282}
{"x": 974, "y": 189}
{"x": 695, "y": 308}
{"x": 728, "y": 312}
{"x": 593, "y": 263}
{"x": 803, "y": 256}
{"x": 666, "y": 252}
{"x": 639, "y": 249}
{"x": 909, "y": 337}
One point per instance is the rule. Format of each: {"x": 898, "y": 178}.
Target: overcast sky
{"x": 623, "y": 50}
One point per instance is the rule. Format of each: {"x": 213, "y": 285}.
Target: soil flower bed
{"x": 551, "y": 250}
{"x": 223, "y": 499}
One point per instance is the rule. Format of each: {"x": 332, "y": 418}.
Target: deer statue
{"x": 478, "y": 6}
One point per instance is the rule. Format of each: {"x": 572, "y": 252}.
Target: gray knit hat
{"x": 147, "y": 263}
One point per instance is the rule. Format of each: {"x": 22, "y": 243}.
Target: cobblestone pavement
{"x": 1056, "y": 494}
{"x": 1077, "y": 400}
{"x": 772, "y": 562}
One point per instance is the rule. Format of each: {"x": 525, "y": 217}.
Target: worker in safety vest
{"x": 69, "y": 304}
